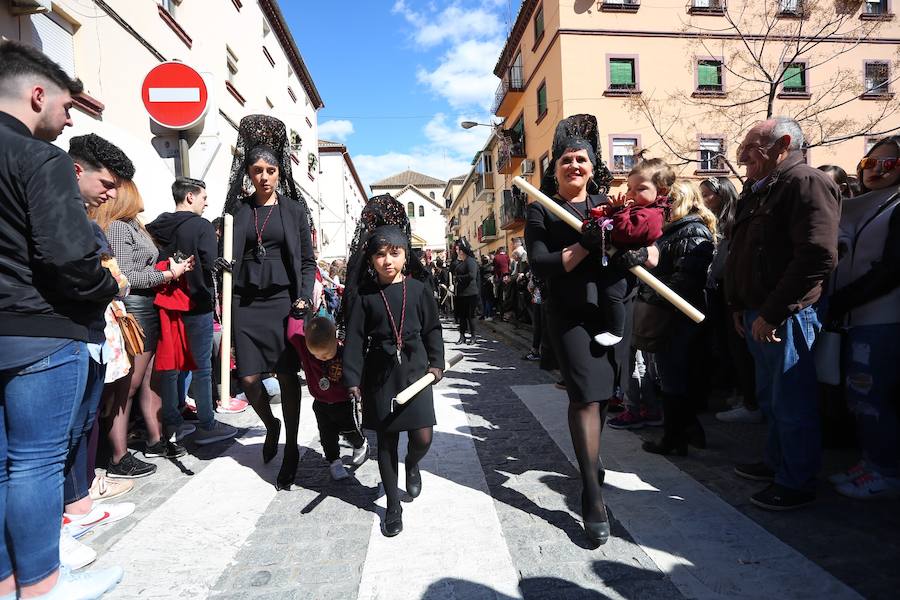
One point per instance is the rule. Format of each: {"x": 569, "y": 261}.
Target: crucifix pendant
{"x": 260, "y": 250}
{"x": 399, "y": 360}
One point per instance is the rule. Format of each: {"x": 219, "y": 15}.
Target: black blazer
{"x": 301, "y": 267}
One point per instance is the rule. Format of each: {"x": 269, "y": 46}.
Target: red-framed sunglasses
{"x": 887, "y": 164}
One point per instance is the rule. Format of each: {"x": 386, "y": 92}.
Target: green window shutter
{"x": 542, "y": 99}
{"x": 793, "y": 77}
{"x": 621, "y": 72}
{"x": 708, "y": 74}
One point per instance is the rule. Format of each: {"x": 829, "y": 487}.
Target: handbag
{"x": 132, "y": 333}
{"x": 827, "y": 356}
{"x": 652, "y": 326}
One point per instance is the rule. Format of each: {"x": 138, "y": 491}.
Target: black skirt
{"x": 382, "y": 378}
{"x": 260, "y": 341}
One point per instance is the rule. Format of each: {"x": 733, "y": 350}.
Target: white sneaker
{"x": 102, "y": 514}
{"x": 740, "y": 415}
{"x": 220, "y": 431}
{"x": 361, "y": 454}
{"x": 607, "y": 339}
{"x": 854, "y": 472}
{"x": 88, "y": 585}
{"x": 176, "y": 434}
{"x": 870, "y": 486}
{"x": 338, "y": 470}
{"x": 72, "y": 553}
{"x": 273, "y": 388}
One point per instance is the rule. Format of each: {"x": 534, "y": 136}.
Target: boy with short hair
{"x": 321, "y": 356}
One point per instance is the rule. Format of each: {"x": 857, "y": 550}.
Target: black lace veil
{"x": 270, "y": 133}
{"x": 383, "y": 216}
{"x": 578, "y": 132}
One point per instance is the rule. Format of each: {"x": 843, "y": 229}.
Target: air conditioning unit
{"x": 30, "y": 7}
{"x": 527, "y": 167}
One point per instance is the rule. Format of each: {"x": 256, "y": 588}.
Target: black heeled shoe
{"x": 288, "y": 470}
{"x": 471, "y": 340}
{"x": 462, "y": 339}
{"x": 665, "y": 447}
{"x": 413, "y": 482}
{"x": 270, "y": 446}
{"x": 597, "y": 531}
{"x": 393, "y": 522}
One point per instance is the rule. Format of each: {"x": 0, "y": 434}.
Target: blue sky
{"x": 397, "y": 77}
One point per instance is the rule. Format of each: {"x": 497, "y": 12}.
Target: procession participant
{"x": 575, "y": 278}
{"x": 397, "y": 314}
{"x": 274, "y": 274}
{"x": 466, "y": 272}
{"x": 321, "y": 355}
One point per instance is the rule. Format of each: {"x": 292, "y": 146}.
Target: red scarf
{"x": 173, "y": 353}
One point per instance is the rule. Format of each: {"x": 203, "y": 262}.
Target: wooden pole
{"x": 423, "y": 382}
{"x": 658, "y": 286}
{"x": 225, "y": 345}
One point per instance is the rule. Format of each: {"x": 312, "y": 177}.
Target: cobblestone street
{"x": 498, "y": 516}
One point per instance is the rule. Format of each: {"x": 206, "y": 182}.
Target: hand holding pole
{"x": 409, "y": 393}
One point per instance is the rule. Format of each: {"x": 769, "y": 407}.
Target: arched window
{"x": 431, "y": 194}
{"x": 410, "y": 210}
{"x": 421, "y": 211}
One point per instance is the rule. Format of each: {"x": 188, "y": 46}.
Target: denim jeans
{"x": 787, "y": 391}
{"x": 77, "y": 479}
{"x": 870, "y": 362}
{"x": 199, "y": 331}
{"x": 37, "y": 407}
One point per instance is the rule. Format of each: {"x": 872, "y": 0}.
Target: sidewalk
{"x": 857, "y": 542}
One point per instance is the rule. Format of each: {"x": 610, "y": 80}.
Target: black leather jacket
{"x": 51, "y": 280}
{"x": 685, "y": 253}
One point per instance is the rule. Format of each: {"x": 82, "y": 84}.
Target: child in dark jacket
{"x": 631, "y": 222}
{"x": 321, "y": 356}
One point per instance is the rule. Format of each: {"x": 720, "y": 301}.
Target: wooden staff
{"x": 426, "y": 380}
{"x": 658, "y": 286}
{"x": 225, "y": 345}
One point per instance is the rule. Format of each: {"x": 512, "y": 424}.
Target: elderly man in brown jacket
{"x": 783, "y": 246}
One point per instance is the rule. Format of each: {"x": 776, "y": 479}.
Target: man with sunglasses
{"x": 783, "y": 245}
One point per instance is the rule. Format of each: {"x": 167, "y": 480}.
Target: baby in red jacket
{"x": 632, "y": 221}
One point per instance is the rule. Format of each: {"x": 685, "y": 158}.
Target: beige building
{"x": 244, "y": 50}
{"x": 420, "y": 194}
{"x": 342, "y": 197}
{"x": 679, "y": 79}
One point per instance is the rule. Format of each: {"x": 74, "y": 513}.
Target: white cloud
{"x": 432, "y": 162}
{"x": 454, "y": 24}
{"x": 335, "y": 130}
{"x": 465, "y": 75}
{"x": 453, "y": 138}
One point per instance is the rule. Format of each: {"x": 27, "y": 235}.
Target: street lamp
{"x": 471, "y": 124}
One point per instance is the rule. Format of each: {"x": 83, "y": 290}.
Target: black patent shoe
{"x": 288, "y": 471}
{"x": 270, "y": 446}
{"x": 597, "y": 532}
{"x": 393, "y": 523}
{"x": 471, "y": 340}
{"x": 413, "y": 482}
{"x": 665, "y": 447}
{"x": 462, "y": 339}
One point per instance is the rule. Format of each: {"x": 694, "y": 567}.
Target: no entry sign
{"x": 175, "y": 95}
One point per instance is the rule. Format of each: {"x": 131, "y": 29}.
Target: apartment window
{"x": 410, "y": 210}
{"x": 790, "y": 7}
{"x": 622, "y": 74}
{"x": 422, "y": 210}
{"x": 620, "y": 5}
{"x": 432, "y": 196}
{"x": 706, "y": 6}
{"x": 545, "y": 163}
{"x": 538, "y": 25}
{"x": 232, "y": 59}
{"x": 875, "y": 7}
{"x": 542, "y": 100}
{"x": 517, "y": 73}
{"x": 623, "y": 153}
{"x": 711, "y": 151}
{"x": 269, "y": 102}
{"x": 709, "y": 76}
{"x": 794, "y": 79}
{"x": 169, "y": 5}
{"x": 53, "y": 36}
{"x": 877, "y": 78}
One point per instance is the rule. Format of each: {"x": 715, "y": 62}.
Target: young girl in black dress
{"x": 393, "y": 337}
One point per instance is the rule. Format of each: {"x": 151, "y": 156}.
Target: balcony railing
{"x": 484, "y": 182}
{"x": 513, "y": 214}
{"x": 620, "y": 5}
{"x": 511, "y": 86}
{"x": 511, "y": 151}
{"x": 706, "y": 7}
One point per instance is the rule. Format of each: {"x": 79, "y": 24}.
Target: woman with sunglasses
{"x": 867, "y": 303}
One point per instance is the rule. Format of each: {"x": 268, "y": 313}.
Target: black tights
{"x": 585, "y": 426}
{"x": 290, "y": 408}
{"x": 389, "y": 462}
{"x": 466, "y": 308}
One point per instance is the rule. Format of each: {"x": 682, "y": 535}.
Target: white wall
{"x": 433, "y": 226}
{"x": 342, "y": 202}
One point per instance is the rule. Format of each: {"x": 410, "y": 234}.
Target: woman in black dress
{"x": 466, "y": 273}
{"x": 274, "y": 273}
{"x": 570, "y": 263}
{"x": 393, "y": 337}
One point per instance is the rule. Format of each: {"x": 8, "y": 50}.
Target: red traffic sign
{"x": 175, "y": 95}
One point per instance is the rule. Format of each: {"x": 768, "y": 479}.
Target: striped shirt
{"x": 136, "y": 253}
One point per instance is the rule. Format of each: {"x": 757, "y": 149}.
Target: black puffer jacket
{"x": 685, "y": 253}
